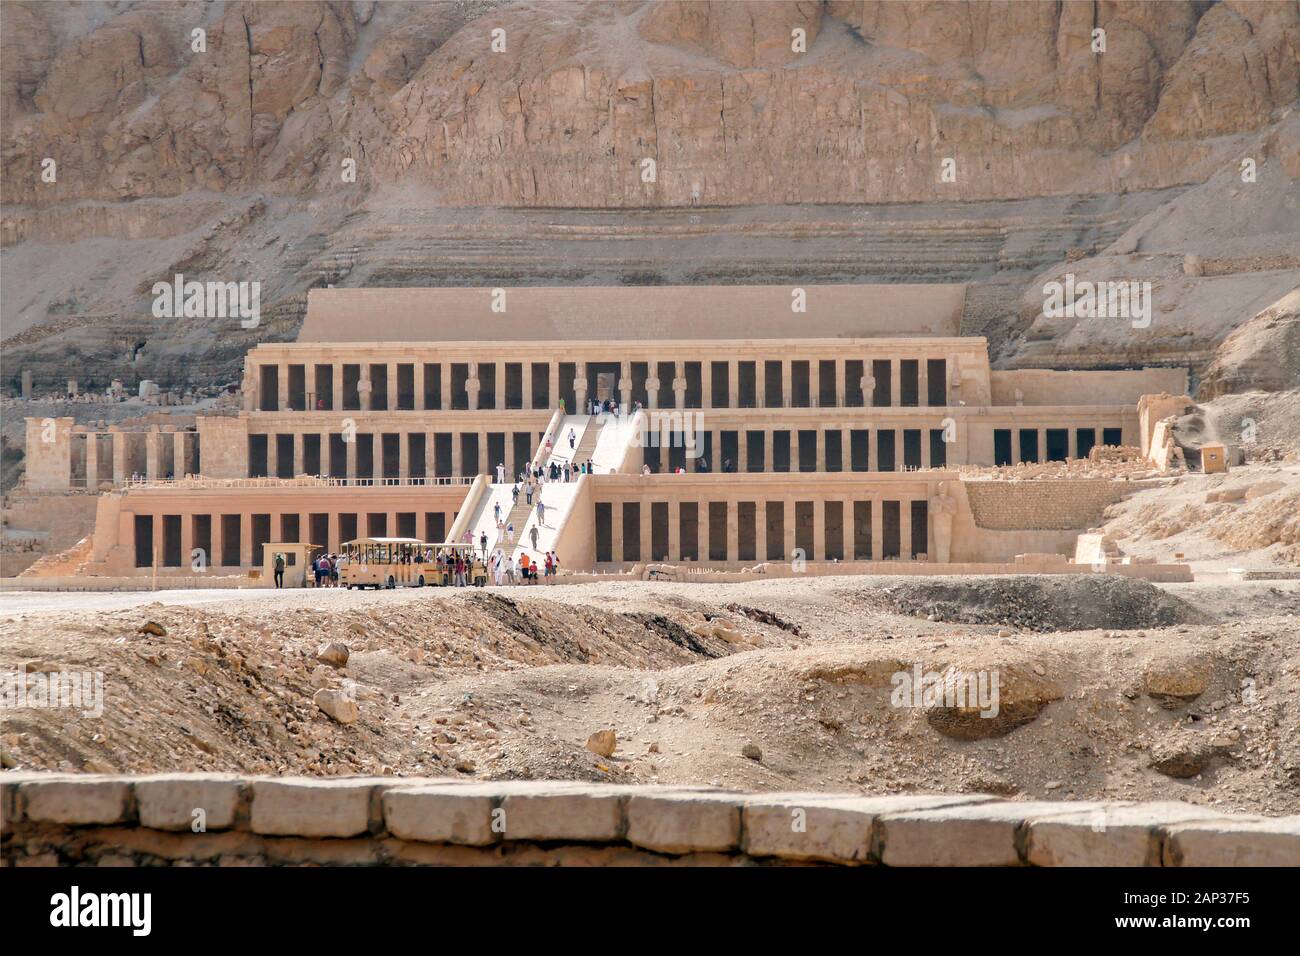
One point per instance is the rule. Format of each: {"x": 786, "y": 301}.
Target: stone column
{"x": 500, "y": 386}
{"x": 403, "y": 455}
{"x": 377, "y": 457}
{"x": 647, "y": 546}
{"x": 92, "y": 459}
{"x": 457, "y": 457}
{"x": 178, "y": 453}
{"x": 336, "y": 380}
{"x": 245, "y": 540}
{"x": 868, "y": 385}
{"x": 733, "y": 384}
{"x": 742, "y": 451}
{"x": 1072, "y": 443}
{"x": 350, "y": 449}
{"x": 187, "y": 542}
{"x": 819, "y": 447}
{"x": 430, "y": 456}
{"x": 925, "y": 446}
{"x": 580, "y": 389}
{"x": 841, "y": 383}
{"x": 364, "y": 388}
{"x": 788, "y": 510}
{"x": 472, "y": 386}
{"x": 152, "y": 452}
{"x": 299, "y": 448}
{"x": 526, "y": 384}
{"x": 444, "y": 382}
{"x": 733, "y": 530}
{"x": 119, "y": 454}
{"x": 895, "y": 383}
{"x": 877, "y": 528}
{"x": 905, "y": 530}
{"x": 674, "y": 530}
{"x": 553, "y": 384}
{"x": 616, "y": 531}
{"x": 282, "y": 385}
{"x": 706, "y": 383}
{"x": 391, "y": 370}
{"x": 214, "y": 558}
{"x": 819, "y": 531}
{"x": 679, "y": 384}
{"x": 1042, "y": 445}
{"x": 922, "y": 383}
{"x": 787, "y": 383}
{"x": 652, "y": 384}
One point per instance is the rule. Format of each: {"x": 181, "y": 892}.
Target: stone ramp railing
{"x": 225, "y": 819}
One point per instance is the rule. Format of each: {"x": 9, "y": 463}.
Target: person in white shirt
{"x": 501, "y": 473}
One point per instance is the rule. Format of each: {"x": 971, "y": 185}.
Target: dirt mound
{"x": 1073, "y": 602}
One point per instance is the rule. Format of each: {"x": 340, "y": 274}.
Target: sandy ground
{"x": 1188, "y": 692}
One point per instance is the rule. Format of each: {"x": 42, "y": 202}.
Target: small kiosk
{"x": 297, "y": 563}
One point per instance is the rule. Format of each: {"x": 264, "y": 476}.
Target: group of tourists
{"x": 504, "y": 569}
{"x": 325, "y": 570}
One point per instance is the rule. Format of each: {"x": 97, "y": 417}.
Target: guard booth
{"x": 297, "y": 563}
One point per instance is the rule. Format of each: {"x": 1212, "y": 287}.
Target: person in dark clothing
{"x": 279, "y": 570}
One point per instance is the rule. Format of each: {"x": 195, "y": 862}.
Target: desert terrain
{"x": 1109, "y": 688}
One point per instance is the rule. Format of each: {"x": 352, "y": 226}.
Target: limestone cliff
{"x": 487, "y": 138}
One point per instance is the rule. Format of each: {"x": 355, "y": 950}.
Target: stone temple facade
{"x": 824, "y": 427}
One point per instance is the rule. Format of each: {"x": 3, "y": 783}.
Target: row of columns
{"x": 955, "y": 451}
{"x": 624, "y": 384}
{"x": 156, "y": 463}
{"x": 246, "y": 543}
{"x": 458, "y": 465}
{"x": 789, "y": 530}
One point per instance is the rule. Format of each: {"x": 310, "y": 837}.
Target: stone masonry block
{"x": 1234, "y": 842}
{"x": 78, "y": 802}
{"x": 1114, "y": 835}
{"x": 168, "y": 802}
{"x": 982, "y": 834}
{"x": 821, "y": 826}
{"x": 585, "y": 814}
{"x": 443, "y": 814}
{"x": 300, "y": 806}
{"x": 684, "y": 822}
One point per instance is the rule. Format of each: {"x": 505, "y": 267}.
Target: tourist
{"x": 645, "y": 469}
{"x": 514, "y": 493}
{"x": 550, "y": 567}
{"x": 541, "y": 512}
{"x": 279, "y": 570}
{"x": 501, "y": 473}
{"x": 498, "y": 567}
{"x": 573, "y": 438}
{"x": 510, "y": 568}
{"x": 532, "y": 534}
{"x": 523, "y": 566}
{"x": 496, "y": 510}
{"x": 482, "y": 543}
{"x": 528, "y": 492}
{"x": 510, "y": 534}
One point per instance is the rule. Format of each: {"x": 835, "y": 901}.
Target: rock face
{"x": 582, "y": 93}
{"x": 297, "y": 137}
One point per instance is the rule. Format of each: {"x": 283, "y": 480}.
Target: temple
{"x": 845, "y": 427}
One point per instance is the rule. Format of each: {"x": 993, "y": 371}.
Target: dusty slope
{"x": 511, "y": 684}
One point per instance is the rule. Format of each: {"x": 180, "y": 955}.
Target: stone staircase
{"x": 587, "y": 447}
{"x": 518, "y": 516}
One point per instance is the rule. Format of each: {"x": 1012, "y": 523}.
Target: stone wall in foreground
{"x": 229, "y": 820}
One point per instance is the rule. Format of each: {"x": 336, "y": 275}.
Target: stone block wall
{"x": 1042, "y": 505}
{"x": 230, "y": 820}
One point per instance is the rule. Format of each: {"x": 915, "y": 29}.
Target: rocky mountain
{"x": 298, "y": 144}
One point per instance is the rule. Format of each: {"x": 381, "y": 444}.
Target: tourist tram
{"x": 386, "y": 563}
{"x": 405, "y": 562}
